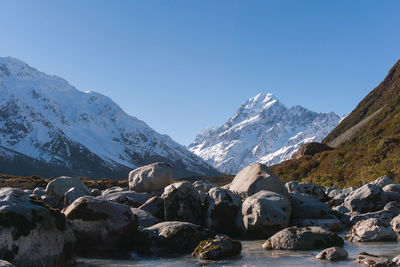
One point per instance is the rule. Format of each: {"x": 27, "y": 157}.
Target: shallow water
{"x": 254, "y": 255}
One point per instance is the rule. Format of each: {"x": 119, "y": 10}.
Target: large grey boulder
{"x": 303, "y": 238}
{"x": 182, "y": 203}
{"x": 101, "y": 226}
{"x": 395, "y": 223}
{"x": 130, "y": 198}
{"x": 307, "y": 188}
{"x": 153, "y": 177}
{"x": 57, "y": 188}
{"x": 371, "y": 230}
{"x": 31, "y": 233}
{"x": 302, "y": 198}
{"x": 382, "y": 181}
{"x": 265, "y": 213}
{"x": 372, "y": 260}
{"x": 333, "y": 254}
{"x": 72, "y": 194}
{"x": 255, "y": 178}
{"x": 366, "y": 198}
{"x": 171, "y": 237}
{"x": 217, "y": 248}
{"x": 224, "y": 212}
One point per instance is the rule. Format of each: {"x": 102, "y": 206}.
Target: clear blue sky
{"x": 184, "y": 65}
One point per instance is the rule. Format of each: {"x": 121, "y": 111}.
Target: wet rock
{"x": 219, "y": 248}
{"x": 101, "y": 226}
{"x": 154, "y": 206}
{"x": 31, "y": 233}
{"x": 130, "y": 198}
{"x": 182, "y": 203}
{"x": 255, "y": 178}
{"x": 303, "y": 238}
{"x": 371, "y": 230}
{"x": 223, "y": 215}
{"x": 149, "y": 178}
{"x": 57, "y": 188}
{"x": 367, "y": 198}
{"x": 171, "y": 237}
{"x": 265, "y": 213}
{"x": 372, "y": 260}
{"x": 333, "y": 254}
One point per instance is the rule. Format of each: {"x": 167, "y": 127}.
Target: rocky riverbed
{"x": 255, "y": 220}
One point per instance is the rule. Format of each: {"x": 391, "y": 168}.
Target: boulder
{"x": 154, "y": 206}
{"x": 303, "y": 238}
{"x": 95, "y": 192}
{"x": 31, "y": 233}
{"x": 72, "y": 194}
{"x": 224, "y": 212}
{"x": 130, "y": 198}
{"x": 182, "y": 203}
{"x": 333, "y": 254}
{"x": 365, "y": 199}
{"x": 101, "y": 226}
{"x": 265, "y": 213}
{"x": 145, "y": 218}
{"x": 153, "y": 177}
{"x": 307, "y": 188}
{"x": 58, "y": 187}
{"x": 382, "y": 181}
{"x": 310, "y": 149}
{"x": 371, "y": 230}
{"x": 203, "y": 186}
{"x": 302, "y": 198}
{"x": 331, "y": 223}
{"x": 39, "y": 191}
{"x": 255, "y": 178}
{"x": 395, "y": 223}
{"x": 112, "y": 190}
{"x": 372, "y": 260}
{"x": 171, "y": 237}
{"x": 219, "y": 248}
{"x": 396, "y": 260}
{"x": 395, "y": 188}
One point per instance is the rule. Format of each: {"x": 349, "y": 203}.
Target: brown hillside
{"x": 369, "y": 150}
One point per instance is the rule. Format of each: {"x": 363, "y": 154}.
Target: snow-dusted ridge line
{"x": 262, "y": 130}
{"x": 46, "y": 118}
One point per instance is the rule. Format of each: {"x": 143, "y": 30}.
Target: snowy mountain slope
{"x": 45, "y": 118}
{"x": 262, "y": 130}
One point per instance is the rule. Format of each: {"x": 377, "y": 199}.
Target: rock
{"x": 313, "y": 210}
{"x": 182, "y": 203}
{"x": 301, "y": 198}
{"x": 333, "y": 254}
{"x": 153, "y": 177}
{"x": 219, "y": 248}
{"x": 5, "y": 264}
{"x": 72, "y": 194}
{"x": 303, "y": 238}
{"x": 396, "y": 260}
{"x": 224, "y": 212}
{"x": 101, "y": 226}
{"x": 31, "y": 233}
{"x": 112, "y": 190}
{"x": 154, "y": 206}
{"x": 255, "y": 178}
{"x": 395, "y": 188}
{"x": 171, "y": 237}
{"x": 393, "y": 207}
{"x": 307, "y": 188}
{"x": 130, "y": 198}
{"x": 227, "y": 186}
{"x": 371, "y": 230}
{"x": 58, "y": 187}
{"x": 203, "y": 186}
{"x": 265, "y": 213}
{"x": 372, "y": 260}
{"x": 95, "y": 192}
{"x": 395, "y": 223}
{"x": 310, "y": 149}
{"x": 338, "y": 199}
{"x": 341, "y": 209}
{"x": 330, "y": 223}
{"x": 365, "y": 199}
{"x": 383, "y": 216}
{"x": 39, "y": 191}
{"x": 145, "y": 218}
{"x": 382, "y": 181}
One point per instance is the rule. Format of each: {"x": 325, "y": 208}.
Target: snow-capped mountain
{"x": 45, "y": 120}
{"x": 262, "y": 130}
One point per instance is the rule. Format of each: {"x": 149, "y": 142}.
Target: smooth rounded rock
{"x": 371, "y": 230}
{"x": 153, "y": 177}
{"x": 333, "y": 254}
{"x": 58, "y": 187}
{"x": 221, "y": 247}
